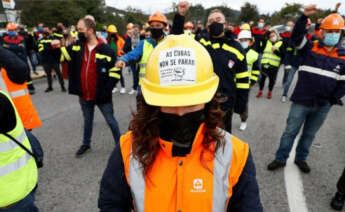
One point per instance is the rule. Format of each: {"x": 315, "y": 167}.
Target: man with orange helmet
{"x": 188, "y": 29}
{"x": 157, "y": 22}
{"x": 16, "y": 44}
{"x": 321, "y": 84}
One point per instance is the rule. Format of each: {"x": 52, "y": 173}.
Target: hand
{"x": 120, "y": 64}
{"x": 273, "y": 48}
{"x": 310, "y": 10}
{"x": 337, "y": 6}
{"x": 183, "y": 7}
{"x": 56, "y": 43}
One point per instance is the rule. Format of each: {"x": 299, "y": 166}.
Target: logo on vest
{"x": 198, "y": 186}
{"x": 337, "y": 69}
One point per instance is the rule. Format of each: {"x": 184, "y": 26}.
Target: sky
{"x": 264, "y": 6}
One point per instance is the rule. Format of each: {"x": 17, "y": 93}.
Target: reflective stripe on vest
{"x": 7, "y": 146}
{"x": 18, "y": 170}
{"x": 147, "y": 49}
{"x": 215, "y": 187}
{"x": 13, "y": 94}
{"x": 268, "y": 56}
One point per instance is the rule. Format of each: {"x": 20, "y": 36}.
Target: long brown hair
{"x": 145, "y": 131}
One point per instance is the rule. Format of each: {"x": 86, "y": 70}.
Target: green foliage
{"x": 249, "y": 12}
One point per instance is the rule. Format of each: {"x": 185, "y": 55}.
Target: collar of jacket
{"x": 340, "y": 49}
{"x": 167, "y": 146}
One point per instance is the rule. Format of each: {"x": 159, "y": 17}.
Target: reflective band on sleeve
{"x": 137, "y": 184}
{"x": 239, "y": 55}
{"x": 222, "y": 164}
{"x": 115, "y": 75}
{"x": 242, "y": 85}
{"x": 65, "y": 53}
{"x": 75, "y": 48}
{"x": 342, "y": 78}
{"x": 256, "y": 72}
{"x": 206, "y": 43}
{"x": 7, "y": 146}
{"x": 255, "y": 78}
{"x": 19, "y": 93}
{"x": 102, "y": 56}
{"x": 304, "y": 41}
{"x": 242, "y": 75}
{"x": 3, "y": 86}
{"x": 143, "y": 65}
{"x": 321, "y": 72}
{"x": 114, "y": 69}
{"x": 269, "y": 58}
{"x": 12, "y": 167}
{"x": 216, "y": 45}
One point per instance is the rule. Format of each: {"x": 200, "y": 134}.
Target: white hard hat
{"x": 244, "y": 34}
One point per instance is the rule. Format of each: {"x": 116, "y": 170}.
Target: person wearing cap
{"x": 92, "y": 76}
{"x": 338, "y": 200}
{"x": 175, "y": 157}
{"x": 18, "y": 169}
{"x": 228, "y": 60}
{"x": 116, "y": 42}
{"x": 272, "y": 53}
{"x": 16, "y": 44}
{"x": 321, "y": 84}
{"x": 246, "y": 41}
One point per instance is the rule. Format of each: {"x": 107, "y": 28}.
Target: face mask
{"x": 157, "y": 33}
{"x": 11, "y": 33}
{"x": 261, "y": 25}
{"x": 113, "y": 35}
{"x": 82, "y": 37}
{"x": 188, "y": 31}
{"x": 46, "y": 34}
{"x": 180, "y": 129}
{"x": 65, "y": 36}
{"x": 331, "y": 39}
{"x": 274, "y": 39}
{"x": 288, "y": 28}
{"x": 216, "y": 29}
{"x": 198, "y": 30}
{"x": 72, "y": 29}
{"x": 245, "y": 44}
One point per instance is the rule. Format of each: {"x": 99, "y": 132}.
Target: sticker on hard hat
{"x": 177, "y": 66}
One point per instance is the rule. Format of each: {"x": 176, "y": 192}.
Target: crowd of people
{"x": 189, "y": 80}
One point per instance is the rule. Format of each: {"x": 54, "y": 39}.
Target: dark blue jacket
{"x": 115, "y": 193}
{"x": 321, "y": 75}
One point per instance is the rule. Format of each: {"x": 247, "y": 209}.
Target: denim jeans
{"x": 312, "y": 118}
{"x": 290, "y": 74}
{"x": 25, "y": 205}
{"x": 88, "y": 108}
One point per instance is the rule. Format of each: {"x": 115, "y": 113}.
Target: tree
{"x": 249, "y": 12}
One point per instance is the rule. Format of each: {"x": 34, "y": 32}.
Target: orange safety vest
{"x": 21, "y": 98}
{"x": 183, "y": 183}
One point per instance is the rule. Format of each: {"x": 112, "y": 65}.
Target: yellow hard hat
{"x": 112, "y": 28}
{"x": 179, "y": 72}
{"x": 245, "y": 26}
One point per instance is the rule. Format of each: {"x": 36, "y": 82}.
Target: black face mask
{"x": 198, "y": 30}
{"x": 216, "y": 29}
{"x": 65, "y": 36}
{"x": 156, "y": 33}
{"x": 180, "y": 129}
{"x": 46, "y": 34}
{"x": 82, "y": 37}
{"x": 113, "y": 35}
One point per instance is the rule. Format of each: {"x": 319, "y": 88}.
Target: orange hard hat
{"x": 159, "y": 17}
{"x": 332, "y": 21}
{"x": 189, "y": 25}
{"x": 129, "y": 26}
{"x": 11, "y": 26}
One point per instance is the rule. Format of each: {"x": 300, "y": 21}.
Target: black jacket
{"x": 16, "y": 69}
{"x": 48, "y": 54}
{"x": 105, "y": 66}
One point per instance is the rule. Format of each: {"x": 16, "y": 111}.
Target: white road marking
{"x": 294, "y": 184}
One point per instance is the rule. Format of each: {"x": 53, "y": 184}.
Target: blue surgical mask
{"x": 245, "y": 44}
{"x": 11, "y": 33}
{"x": 331, "y": 39}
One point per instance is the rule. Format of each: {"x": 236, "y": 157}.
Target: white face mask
{"x": 261, "y": 25}
{"x": 274, "y": 39}
{"x": 288, "y": 28}
{"x": 245, "y": 44}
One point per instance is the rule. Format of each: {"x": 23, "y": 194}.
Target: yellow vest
{"x": 251, "y": 57}
{"x": 269, "y": 57}
{"x": 18, "y": 171}
{"x": 147, "y": 49}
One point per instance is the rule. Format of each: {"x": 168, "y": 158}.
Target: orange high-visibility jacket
{"x": 22, "y": 100}
{"x": 183, "y": 183}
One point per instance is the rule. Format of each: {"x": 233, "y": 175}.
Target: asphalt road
{"x": 70, "y": 184}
